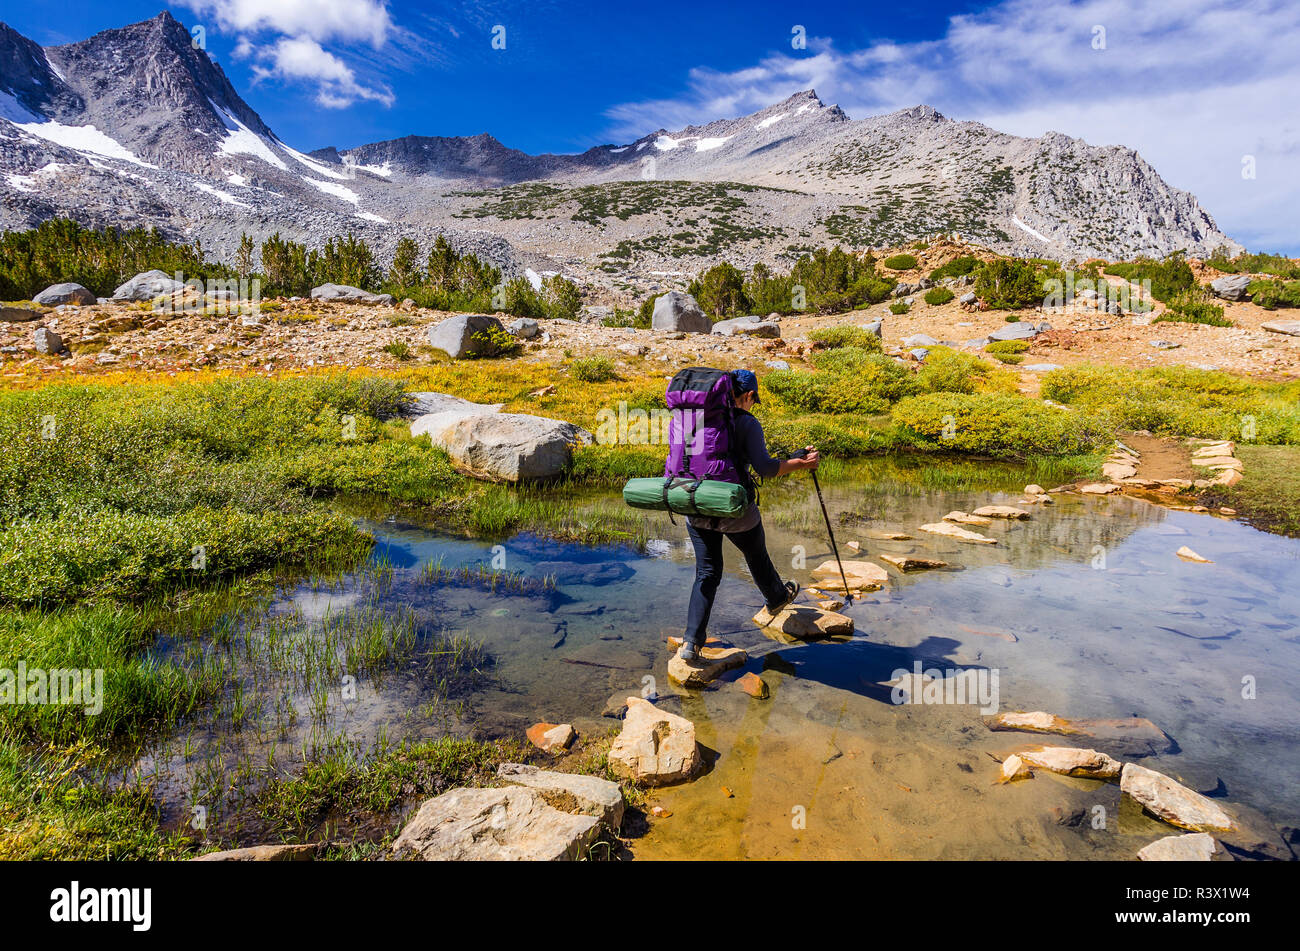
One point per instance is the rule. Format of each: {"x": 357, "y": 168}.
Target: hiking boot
{"x": 792, "y": 592}
{"x": 690, "y": 653}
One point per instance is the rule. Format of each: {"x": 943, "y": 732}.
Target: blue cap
{"x": 744, "y": 381}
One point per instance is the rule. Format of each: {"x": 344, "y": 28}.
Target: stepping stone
{"x": 912, "y": 562}
{"x": 861, "y": 576}
{"x": 1098, "y": 488}
{"x": 890, "y": 536}
{"x": 1072, "y": 761}
{"x": 595, "y": 796}
{"x": 1118, "y": 471}
{"x": 961, "y": 534}
{"x": 262, "y": 853}
{"x": 713, "y": 662}
{"x": 656, "y": 748}
{"x": 1172, "y": 801}
{"x": 674, "y": 642}
{"x": 1189, "y": 847}
{"x": 1000, "y": 511}
{"x": 1034, "y": 489}
{"x": 962, "y": 518}
{"x": 804, "y": 622}
{"x": 1123, "y": 737}
{"x": 1186, "y": 554}
{"x": 1217, "y": 462}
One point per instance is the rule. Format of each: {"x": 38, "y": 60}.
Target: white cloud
{"x": 300, "y": 59}
{"x": 1193, "y": 87}
{"x": 321, "y": 20}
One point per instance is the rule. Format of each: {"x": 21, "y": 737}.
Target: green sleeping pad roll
{"x": 711, "y": 498}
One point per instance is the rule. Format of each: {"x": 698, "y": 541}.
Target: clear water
{"x": 1084, "y": 611}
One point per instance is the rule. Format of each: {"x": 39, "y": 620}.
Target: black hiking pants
{"x": 708, "y": 573}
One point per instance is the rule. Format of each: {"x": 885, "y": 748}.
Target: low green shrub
{"x": 1007, "y": 346}
{"x": 1275, "y": 293}
{"x": 937, "y": 296}
{"x": 997, "y": 425}
{"x": 1194, "y": 306}
{"x": 957, "y": 267}
{"x": 845, "y": 335}
{"x": 899, "y": 308}
{"x": 597, "y": 369}
{"x": 900, "y": 262}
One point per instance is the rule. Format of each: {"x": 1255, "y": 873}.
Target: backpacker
{"x": 701, "y": 475}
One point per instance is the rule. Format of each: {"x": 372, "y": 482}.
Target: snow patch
{"x": 241, "y": 140}
{"x": 79, "y": 138}
{"x": 1024, "y": 227}
{"x": 804, "y": 108}
{"x": 534, "y": 278}
{"x": 217, "y": 193}
{"x": 617, "y": 151}
{"x": 369, "y": 217}
{"x": 384, "y": 171}
{"x": 770, "y": 121}
{"x": 332, "y": 188}
{"x": 237, "y": 179}
{"x": 666, "y": 143}
{"x": 320, "y": 168}
{"x": 704, "y": 145}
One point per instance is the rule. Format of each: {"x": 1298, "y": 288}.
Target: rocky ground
{"x": 295, "y": 334}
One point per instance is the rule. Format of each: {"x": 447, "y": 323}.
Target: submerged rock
{"x": 1014, "y": 768}
{"x": 954, "y": 531}
{"x": 514, "y": 823}
{"x": 913, "y": 562}
{"x": 713, "y": 662}
{"x": 1189, "y": 847}
{"x": 656, "y": 748}
{"x": 965, "y": 518}
{"x": 1173, "y": 802}
{"x": 594, "y": 796}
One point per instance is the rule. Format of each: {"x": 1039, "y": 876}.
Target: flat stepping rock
{"x": 1219, "y": 462}
{"x": 1186, "y": 554}
{"x": 912, "y": 562}
{"x": 508, "y": 823}
{"x": 262, "y": 853}
{"x": 805, "y": 623}
{"x": 1124, "y": 737}
{"x": 1015, "y": 769}
{"x": 1118, "y": 471}
{"x": 1099, "y": 488}
{"x": 1189, "y": 847}
{"x": 1000, "y": 511}
{"x": 1072, "y": 761}
{"x": 1173, "y": 802}
{"x": 861, "y": 576}
{"x": 594, "y": 796}
{"x": 954, "y": 531}
{"x": 713, "y": 662}
{"x": 890, "y": 536}
{"x": 965, "y": 518}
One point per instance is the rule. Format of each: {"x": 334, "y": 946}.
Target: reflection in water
{"x": 1083, "y": 611}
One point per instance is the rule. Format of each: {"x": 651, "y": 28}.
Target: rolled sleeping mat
{"x": 711, "y": 498}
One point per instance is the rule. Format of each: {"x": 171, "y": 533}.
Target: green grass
{"x": 1269, "y": 495}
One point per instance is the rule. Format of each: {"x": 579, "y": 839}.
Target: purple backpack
{"x": 701, "y": 426}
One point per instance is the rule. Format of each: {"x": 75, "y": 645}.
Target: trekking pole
{"x": 848, "y": 595}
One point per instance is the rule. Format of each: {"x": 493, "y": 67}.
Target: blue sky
{"x": 1201, "y": 88}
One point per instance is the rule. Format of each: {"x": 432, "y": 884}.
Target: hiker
{"x": 748, "y": 450}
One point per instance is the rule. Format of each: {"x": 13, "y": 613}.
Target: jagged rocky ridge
{"x": 137, "y": 126}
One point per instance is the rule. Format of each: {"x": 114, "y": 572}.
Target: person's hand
{"x": 812, "y": 458}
